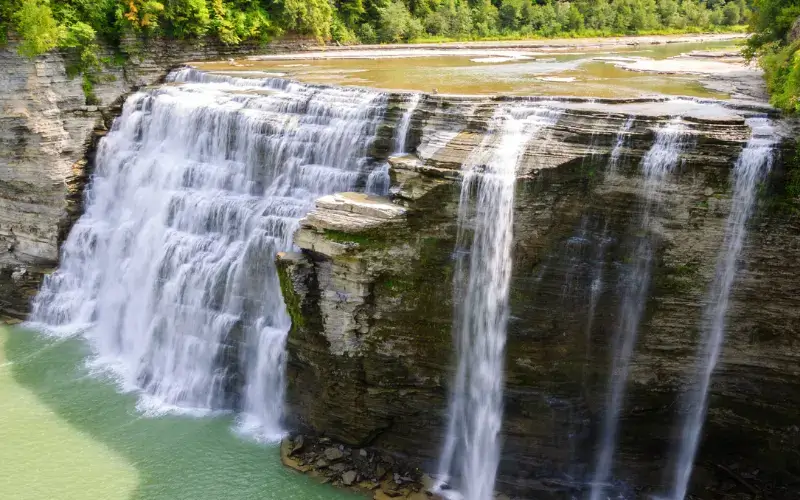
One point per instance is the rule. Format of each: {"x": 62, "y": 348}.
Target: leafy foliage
{"x": 42, "y": 24}
{"x": 34, "y": 22}
{"x": 775, "y": 42}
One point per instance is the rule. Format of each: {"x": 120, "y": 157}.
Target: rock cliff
{"x": 370, "y": 352}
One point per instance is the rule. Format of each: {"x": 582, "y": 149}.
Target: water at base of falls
{"x": 471, "y": 451}
{"x": 169, "y": 273}
{"x": 753, "y": 164}
{"x": 659, "y": 161}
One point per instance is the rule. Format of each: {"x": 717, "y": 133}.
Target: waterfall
{"x": 401, "y": 134}
{"x": 481, "y": 289}
{"x": 752, "y": 165}
{"x": 378, "y": 181}
{"x": 619, "y": 145}
{"x": 169, "y": 273}
{"x": 659, "y": 161}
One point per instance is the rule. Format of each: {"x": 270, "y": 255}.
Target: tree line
{"x": 78, "y": 24}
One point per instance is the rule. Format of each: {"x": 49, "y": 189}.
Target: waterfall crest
{"x": 169, "y": 273}
{"x": 471, "y": 451}
{"x": 752, "y": 165}
{"x": 657, "y": 164}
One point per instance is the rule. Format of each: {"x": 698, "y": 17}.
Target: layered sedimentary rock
{"x": 370, "y": 352}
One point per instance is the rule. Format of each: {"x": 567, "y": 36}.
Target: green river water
{"x": 69, "y": 435}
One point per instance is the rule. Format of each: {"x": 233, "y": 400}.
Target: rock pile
{"x": 361, "y": 469}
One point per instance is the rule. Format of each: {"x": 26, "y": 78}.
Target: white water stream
{"x": 471, "y": 451}
{"x": 169, "y": 273}
{"x": 657, "y": 164}
{"x": 752, "y": 165}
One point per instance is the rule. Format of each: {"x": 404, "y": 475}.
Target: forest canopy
{"x": 77, "y": 24}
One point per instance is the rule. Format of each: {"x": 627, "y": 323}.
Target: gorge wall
{"x": 370, "y": 293}
{"x": 370, "y": 352}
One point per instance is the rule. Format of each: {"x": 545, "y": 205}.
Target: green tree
{"x": 187, "y": 18}
{"x": 396, "y": 23}
{"x": 308, "y": 17}
{"x": 351, "y": 11}
{"x": 510, "y": 13}
{"x": 39, "y": 31}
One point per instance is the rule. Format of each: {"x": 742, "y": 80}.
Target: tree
{"x": 188, "y": 18}
{"x": 35, "y": 24}
{"x": 143, "y": 14}
{"x": 351, "y": 11}
{"x": 396, "y": 24}
{"x": 308, "y": 16}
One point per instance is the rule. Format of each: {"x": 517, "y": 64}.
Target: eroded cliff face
{"x": 47, "y": 139}
{"x": 370, "y": 353}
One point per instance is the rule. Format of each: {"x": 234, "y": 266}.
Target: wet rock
{"x": 349, "y": 477}
{"x": 333, "y": 454}
{"x": 298, "y": 444}
{"x": 382, "y": 495}
{"x": 378, "y": 318}
{"x": 427, "y": 482}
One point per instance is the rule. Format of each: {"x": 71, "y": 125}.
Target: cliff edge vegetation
{"x": 775, "y": 42}
{"x": 79, "y": 24}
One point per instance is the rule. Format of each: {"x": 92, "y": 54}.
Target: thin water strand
{"x": 471, "y": 451}
{"x": 401, "y": 133}
{"x": 657, "y": 163}
{"x": 619, "y": 145}
{"x": 753, "y": 164}
{"x": 378, "y": 181}
{"x": 169, "y": 273}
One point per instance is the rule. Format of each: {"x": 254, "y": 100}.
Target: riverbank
{"x": 544, "y": 44}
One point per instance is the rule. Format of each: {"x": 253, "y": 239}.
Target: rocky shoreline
{"x": 362, "y": 470}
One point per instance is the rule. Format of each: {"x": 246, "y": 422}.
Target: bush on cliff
{"x": 775, "y": 42}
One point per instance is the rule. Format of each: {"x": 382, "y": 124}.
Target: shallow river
{"x": 67, "y": 435}
{"x": 585, "y": 72}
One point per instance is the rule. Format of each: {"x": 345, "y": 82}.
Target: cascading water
{"x": 482, "y": 287}
{"x": 619, "y": 146}
{"x": 378, "y": 180}
{"x": 401, "y": 133}
{"x": 752, "y": 165}
{"x": 169, "y": 273}
{"x": 659, "y": 161}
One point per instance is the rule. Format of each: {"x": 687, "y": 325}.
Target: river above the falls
{"x": 69, "y": 435}
{"x": 707, "y": 68}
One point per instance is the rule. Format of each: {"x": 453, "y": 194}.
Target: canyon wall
{"x": 371, "y": 350}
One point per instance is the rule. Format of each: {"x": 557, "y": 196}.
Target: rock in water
{"x": 299, "y": 442}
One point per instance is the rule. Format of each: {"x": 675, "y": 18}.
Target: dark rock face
{"x": 371, "y": 360}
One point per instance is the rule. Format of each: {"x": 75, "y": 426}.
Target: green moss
{"x": 370, "y": 240}
{"x": 88, "y": 90}
{"x": 681, "y": 278}
{"x": 290, "y": 298}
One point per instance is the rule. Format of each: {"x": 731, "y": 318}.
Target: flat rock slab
{"x": 352, "y": 213}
